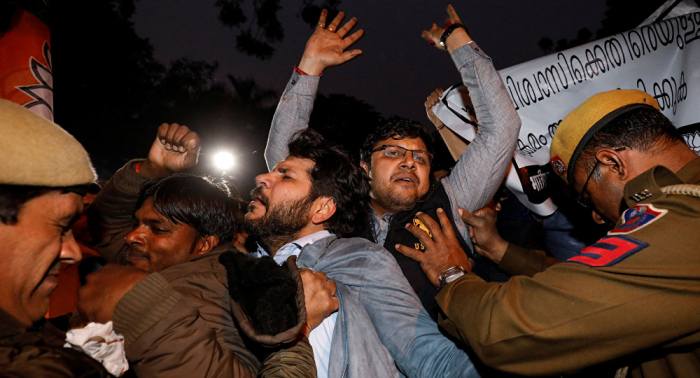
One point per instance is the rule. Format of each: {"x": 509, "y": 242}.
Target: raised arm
{"x": 110, "y": 217}
{"x": 483, "y": 165}
{"x": 455, "y": 144}
{"x": 327, "y": 47}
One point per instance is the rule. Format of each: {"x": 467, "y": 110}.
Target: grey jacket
{"x": 373, "y": 291}
{"x": 481, "y": 167}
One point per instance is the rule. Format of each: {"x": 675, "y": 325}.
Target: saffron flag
{"x": 25, "y": 60}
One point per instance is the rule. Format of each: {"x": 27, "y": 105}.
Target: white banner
{"x": 661, "y": 58}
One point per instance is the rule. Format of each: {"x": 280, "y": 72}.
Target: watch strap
{"x": 450, "y": 274}
{"x": 448, "y": 31}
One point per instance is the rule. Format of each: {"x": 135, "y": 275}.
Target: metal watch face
{"x": 453, "y": 273}
{"x": 453, "y": 277}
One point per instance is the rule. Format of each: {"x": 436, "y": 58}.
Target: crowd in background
{"x": 382, "y": 267}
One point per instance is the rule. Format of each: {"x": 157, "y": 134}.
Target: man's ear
{"x": 205, "y": 244}
{"x": 597, "y": 218}
{"x": 613, "y": 160}
{"x": 365, "y": 166}
{"x": 322, "y": 209}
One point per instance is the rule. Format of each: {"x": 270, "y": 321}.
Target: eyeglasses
{"x": 582, "y": 199}
{"x": 397, "y": 152}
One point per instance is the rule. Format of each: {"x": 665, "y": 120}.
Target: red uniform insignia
{"x": 609, "y": 251}
{"x": 636, "y": 218}
{"x": 558, "y": 165}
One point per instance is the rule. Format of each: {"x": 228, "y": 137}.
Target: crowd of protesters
{"x": 373, "y": 268}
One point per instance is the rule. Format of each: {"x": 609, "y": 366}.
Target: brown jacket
{"x": 632, "y": 298}
{"x": 39, "y": 352}
{"x": 179, "y": 322}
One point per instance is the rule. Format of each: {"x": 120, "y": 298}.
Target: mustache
{"x": 135, "y": 251}
{"x": 406, "y": 172}
{"x": 258, "y": 194}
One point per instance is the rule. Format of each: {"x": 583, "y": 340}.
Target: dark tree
{"x": 344, "y": 120}
{"x": 104, "y": 77}
{"x": 262, "y": 29}
{"x": 249, "y": 95}
{"x": 625, "y": 15}
{"x": 621, "y": 15}
{"x": 111, "y": 93}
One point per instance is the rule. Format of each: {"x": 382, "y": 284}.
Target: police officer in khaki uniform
{"x": 632, "y": 299}
{"x": 44, "y": 174}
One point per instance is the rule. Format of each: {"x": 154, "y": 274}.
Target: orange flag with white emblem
{"x": 25, "y": 60}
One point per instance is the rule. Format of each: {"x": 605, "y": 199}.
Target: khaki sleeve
{"x": 519, "y": 261}
{"x": 635, "y": 291}
{"x": 571, "y": 316}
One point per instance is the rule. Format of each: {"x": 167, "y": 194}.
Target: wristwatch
{"x": 448, "y": 31}
{"x": 450, "y": 274}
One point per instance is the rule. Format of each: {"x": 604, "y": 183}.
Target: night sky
{"x": 398, "y": 68}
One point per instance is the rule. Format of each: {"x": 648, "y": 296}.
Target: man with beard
{"x": 628, "y": 301}
{"x": 45, "y": 174}
{"x": 307, "y": 206}
{"x": 173, "y": 305}
{"x": 397, "y": 156}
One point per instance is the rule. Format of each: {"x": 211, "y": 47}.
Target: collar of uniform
{"x": 690, "y": 173}
{"x": 647, "y": 186}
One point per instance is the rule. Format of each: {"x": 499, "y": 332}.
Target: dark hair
{"x": 395, "y": 128}
{"x": 13, "y": 198}
{"x": 334, "y": 175}
{"x": 643, "y": 129}
{"x": 201, "y": 202}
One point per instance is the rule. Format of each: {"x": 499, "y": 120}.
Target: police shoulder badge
{"x": 609, "y": 251}
{"x": 637, "y": 217}
{"x": 558, "y": 165}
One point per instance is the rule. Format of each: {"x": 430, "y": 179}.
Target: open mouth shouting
{"x": 258, "y": 198}
{"x": 405, "y": 178}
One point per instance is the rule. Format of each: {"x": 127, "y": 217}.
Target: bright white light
{"x": 223, "y": 161}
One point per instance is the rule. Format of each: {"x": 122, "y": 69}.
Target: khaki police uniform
{"x": 632, "y": 298}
